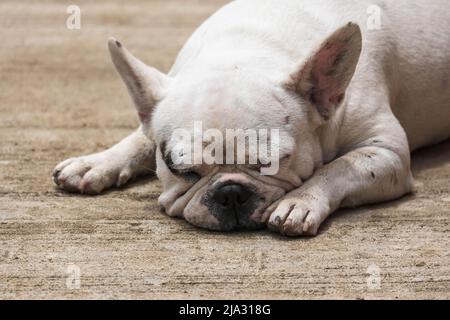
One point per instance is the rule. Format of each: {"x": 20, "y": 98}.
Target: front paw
{"x": 92, "y": 174}
{"x": 299, "y": 215}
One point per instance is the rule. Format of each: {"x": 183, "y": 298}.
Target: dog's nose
{"x": 232, "y": 196}
{"x": 233, "y": 205}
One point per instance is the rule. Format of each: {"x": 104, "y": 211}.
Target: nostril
{"x": 231, "y": 195}
{"x": 244, "y": 195}
{"x": 221, "y": 197}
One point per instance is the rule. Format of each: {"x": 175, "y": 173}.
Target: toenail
{"x": 277, "y": 220}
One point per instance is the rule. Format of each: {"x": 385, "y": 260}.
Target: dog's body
{"x": 349, "y": 118}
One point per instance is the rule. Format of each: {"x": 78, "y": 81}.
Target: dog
{"x": 350, "y": 100}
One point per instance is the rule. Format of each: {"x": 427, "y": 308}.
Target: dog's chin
{"x": 202, "y": 216}
{"x": 208, "y": 221}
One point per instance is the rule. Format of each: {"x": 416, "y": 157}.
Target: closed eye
{"x": 190, "y": 176}
{"x": 186, "y": 174}
{"x": 259, "y": 166}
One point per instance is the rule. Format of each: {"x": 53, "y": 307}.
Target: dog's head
{"x": 231, "y": 140}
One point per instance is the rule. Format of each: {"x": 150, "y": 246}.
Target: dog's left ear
{"x": 145, "y": 84}
{"x": 324, "y": 77}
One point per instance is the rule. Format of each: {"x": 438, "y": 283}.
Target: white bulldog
{"x": 349, "y": 98}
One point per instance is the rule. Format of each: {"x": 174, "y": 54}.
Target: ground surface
{"x": 60, "y": 97}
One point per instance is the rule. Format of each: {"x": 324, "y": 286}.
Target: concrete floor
{"x": 60, "y": 97}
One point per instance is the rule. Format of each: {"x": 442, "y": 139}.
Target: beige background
{"x": 60, "y": 97}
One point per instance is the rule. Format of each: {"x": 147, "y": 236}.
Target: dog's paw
{"x": 92, "y": 174}
{"x": 298, "y": 216}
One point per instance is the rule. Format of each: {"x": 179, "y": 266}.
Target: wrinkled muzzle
{"x": 231, "y": 201}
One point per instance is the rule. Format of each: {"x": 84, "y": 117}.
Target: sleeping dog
{"x": 345, "y": 100}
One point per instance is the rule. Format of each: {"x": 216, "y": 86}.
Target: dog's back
{"x": 421, "y": 68}
{"x": 409, "y": 49}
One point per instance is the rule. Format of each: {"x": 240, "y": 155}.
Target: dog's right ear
{"x": 145, "y": 84}
{"x": 322, "y": 79}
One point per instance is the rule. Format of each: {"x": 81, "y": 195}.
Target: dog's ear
{"x": 146, "y": 85}
{"x": 324, "y": 77}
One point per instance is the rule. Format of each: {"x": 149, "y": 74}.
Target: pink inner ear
{"x": 326, "y": 87}
{"x": 144, "y": 116}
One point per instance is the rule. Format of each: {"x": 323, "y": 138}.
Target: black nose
{"x": 232, "y": 196}
{"x": 233, "y": 205}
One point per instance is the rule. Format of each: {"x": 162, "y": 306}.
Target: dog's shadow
{"x": 422, "y": 160}
{"x": 431, "y": 157}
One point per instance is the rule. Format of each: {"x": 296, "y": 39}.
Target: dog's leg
{"x": 132, "y": 157}
{"x": 378, "y": 170}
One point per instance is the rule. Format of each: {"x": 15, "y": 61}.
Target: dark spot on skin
{"x": 376, "y": 141}
{"x": 118, "y": 44}
{"x": 372, "y": 174}
{"x": 287, "y": 120}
